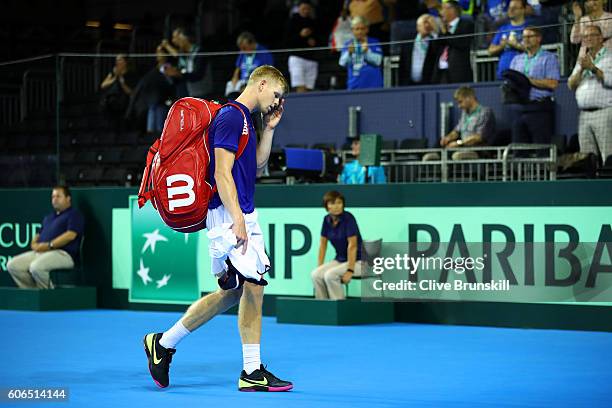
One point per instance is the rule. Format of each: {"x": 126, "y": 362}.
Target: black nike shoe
{"x": 159, "y": 359}
{"x": 262, "y": 380}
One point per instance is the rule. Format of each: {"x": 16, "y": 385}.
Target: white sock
{"x": 250, "y": 357}
{"x": 173, "y": 336}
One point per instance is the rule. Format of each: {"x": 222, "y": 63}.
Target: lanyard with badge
{"x": 468, "y": 120}
{"x": 358, "y": 58}
{"x": 248, "y": 63}
{"x": 422, "y": 42}
{"x": 529, "y": 61}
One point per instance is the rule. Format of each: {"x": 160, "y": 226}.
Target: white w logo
{"x": 173, "y": 191}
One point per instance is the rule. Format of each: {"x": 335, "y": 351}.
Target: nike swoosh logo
{"x": 155, "y": 360}
{"x": 258, "y": 382}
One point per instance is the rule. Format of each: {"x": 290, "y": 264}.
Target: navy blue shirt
{"x": 338, "y": 235}
{"x": 54, "y": 225}
{"x": 225, "y": 132}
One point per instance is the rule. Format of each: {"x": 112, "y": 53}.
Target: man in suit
{"x": 420, "y": 56}
{"x": 453, "y": 50}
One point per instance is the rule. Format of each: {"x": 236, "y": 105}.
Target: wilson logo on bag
{"x": 176, "y": 178}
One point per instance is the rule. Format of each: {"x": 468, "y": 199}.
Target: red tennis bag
{"x": 176, "y": 178}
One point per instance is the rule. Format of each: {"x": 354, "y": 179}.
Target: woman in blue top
{"x": 362, "y": 57}
{"x": 340, "y": 228}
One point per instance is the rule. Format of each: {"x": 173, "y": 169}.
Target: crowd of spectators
{"x": 434, "y": 40}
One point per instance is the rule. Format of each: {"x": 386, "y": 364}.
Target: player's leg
{"x": 254, "y": 376}
{"x": 160, "y": 347}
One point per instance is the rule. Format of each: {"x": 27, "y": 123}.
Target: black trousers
{"x": 534, "y": 122}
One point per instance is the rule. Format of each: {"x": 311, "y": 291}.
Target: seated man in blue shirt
{"x": 354, "y": 172}
{"x": 507, "y": 40}
{"x": 55, "y": 247}
{"x": 252, "y": 55}
{"x": 535, "y": 120}
{"x": 362, "y": 57}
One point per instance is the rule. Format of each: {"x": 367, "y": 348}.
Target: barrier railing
{"x": 515, "y": 162}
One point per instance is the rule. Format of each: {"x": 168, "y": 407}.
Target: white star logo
{"x": 163, "y": 281}
{"x": 152, "y": 238}
{"x": 144, "y": 273}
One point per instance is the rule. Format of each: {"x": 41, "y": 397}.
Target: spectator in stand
{"x": 252, "y": 55}
{"x": 154, "y": 94}
{"x": 402, "y": 15}
{"x": 302, "y": 32}
{"x": 468, "y": 7}
{"x": 117, "y": 88}
{"x": 535, "y": 120}
{"x": 56, "y": 246}
{"x": 595, "y": 15}
{"x": 354, "y": 173}
{"x": 493, "y": 16}
{"x": 592, "y": 81}
{"x": 453, "y": 48}
{"x": 362, "y": 57}
{"x": 507, "y": 42}
{"x": 374, "y": 12}
{"x": 422, "y": 51}
{"x": 475, "y": 128}
{"x": 434, "y": 7}
{"x": 193, "y": 75}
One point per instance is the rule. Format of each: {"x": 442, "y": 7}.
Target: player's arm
{"x": 322, "y": 250}
{"x": 263, "y": 150}
{"x": 226, "y": 187}
{"x": 270, "y": 121}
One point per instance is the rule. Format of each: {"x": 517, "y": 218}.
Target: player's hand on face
{"x": 239, "y": 230}
{"x": 272, "y": 119}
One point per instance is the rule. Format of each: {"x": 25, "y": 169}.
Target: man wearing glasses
{"x": 535, "y": 120}
{"x": 592, "y": 81}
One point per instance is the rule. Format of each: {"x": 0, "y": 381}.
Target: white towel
{"x": 222, "y": 241}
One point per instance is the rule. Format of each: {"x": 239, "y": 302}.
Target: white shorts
{"x": 254, "y": 263}
{"x": 303, "y": 72}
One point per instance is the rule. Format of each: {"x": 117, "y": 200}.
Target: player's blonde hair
{"x": 268, "y": 72}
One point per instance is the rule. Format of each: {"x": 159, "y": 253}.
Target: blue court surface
{"x": 99, "y": 356}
